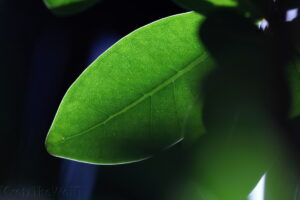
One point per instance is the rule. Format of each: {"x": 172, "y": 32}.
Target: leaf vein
{"x": 157, "y": 88}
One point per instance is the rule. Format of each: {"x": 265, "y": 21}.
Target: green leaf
{"x": 206, "y": 6}
{"x": 136, "y": 99}
{"x": 68, "y": 7}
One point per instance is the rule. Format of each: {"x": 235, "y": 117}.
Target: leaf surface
{"x": 68, "y": 7}
{"x": 139, "y": 97}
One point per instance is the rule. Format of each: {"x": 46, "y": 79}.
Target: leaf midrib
{"x": 162, "y": 85}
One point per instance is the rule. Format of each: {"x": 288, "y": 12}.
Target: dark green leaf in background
{"x": 205, "y": 6}
{"x": 68, "y": 7}
{"x": 255, "y": 9}
{"x": 139, "y": 97}
{"x": 245, "y": 102}
{"x": 294, "y": 81}
{"x": 281, "y": 181}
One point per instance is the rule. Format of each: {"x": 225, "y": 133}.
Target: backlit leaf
{"x": 138, "y": 98}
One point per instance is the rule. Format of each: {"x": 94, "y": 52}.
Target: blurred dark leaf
{"x": 294, "y": 80}
{"x": 249, "y": 8}
{"x": 256, "y": 8}
{"x": 294, "y": 27}
{"x": 282, "y": 181}
{"x": 205, "y": 6}
{"x": 244, "y": 107}
{"x": 246, "y": 70}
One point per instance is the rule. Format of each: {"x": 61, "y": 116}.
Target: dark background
{"x": 40, "y": 56}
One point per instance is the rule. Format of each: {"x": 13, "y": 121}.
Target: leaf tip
{"x": 53, "y": 143}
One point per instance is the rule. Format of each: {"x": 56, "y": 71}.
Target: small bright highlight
{"x": 263, "y": 24}
{"x": 258, "y": 193}
{"x": 291, "y": 14}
